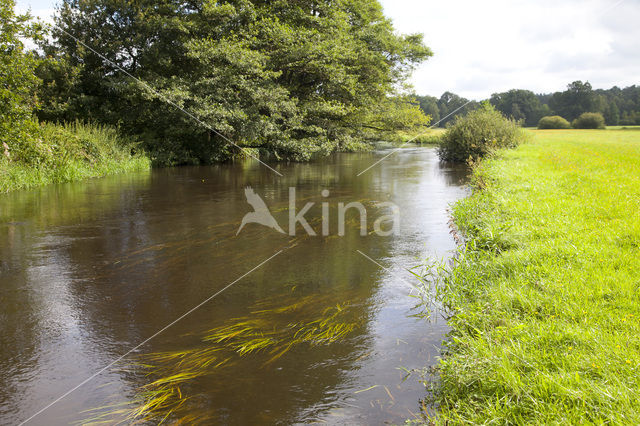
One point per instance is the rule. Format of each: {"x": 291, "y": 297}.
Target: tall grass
{"x": 546, "y": 296}
{"x": 68, "y": 152}
{"x": 421, "y": 137}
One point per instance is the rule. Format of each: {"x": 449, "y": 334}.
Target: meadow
{"x": 546, "y": 296}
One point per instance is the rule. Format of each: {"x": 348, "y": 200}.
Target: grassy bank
{"x": 422, "y": 136}
{"x": 65, "y": 153}
{"x": 547, "y": 295}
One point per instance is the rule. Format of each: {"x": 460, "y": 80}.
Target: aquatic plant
{"x": 271, "y": 328}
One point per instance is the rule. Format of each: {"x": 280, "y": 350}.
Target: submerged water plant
{"x": 271, "y": 328}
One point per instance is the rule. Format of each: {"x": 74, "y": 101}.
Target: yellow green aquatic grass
{"x": 273, "y": 328}
{"x": 547, "y": 295}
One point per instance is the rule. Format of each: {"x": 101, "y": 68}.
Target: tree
{"x": 577, "y": 99}
{"x": 17, "y": 80}
{"x": 429, "y": 105}
{"x": 519, "y": 105}
{"x": 612, "y": 114}
{"x": 452, "y": 106}
{"x": 292, "y": 78}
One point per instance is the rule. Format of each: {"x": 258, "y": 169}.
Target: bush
{"x": 553, "y": 122}
{"x": 478, "y": 134}
{"x": 589, "y": 120}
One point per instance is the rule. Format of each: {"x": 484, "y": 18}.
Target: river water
{"x": 326, "y": 331}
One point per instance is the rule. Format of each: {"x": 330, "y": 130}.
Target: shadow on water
{"x": 319, "y": 333}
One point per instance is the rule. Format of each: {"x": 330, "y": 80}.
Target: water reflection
{"x": 90, "y": 270}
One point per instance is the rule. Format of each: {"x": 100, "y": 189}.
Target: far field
{"x": 547, "y": 295}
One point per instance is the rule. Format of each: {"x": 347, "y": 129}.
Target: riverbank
{"x": 66, "y": 153}
{"x": 422, "y": 136}
{"x": 546, "y": 296}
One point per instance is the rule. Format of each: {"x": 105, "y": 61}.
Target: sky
{"x": 484, "y": 47}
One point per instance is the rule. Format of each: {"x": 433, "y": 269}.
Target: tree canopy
{"x": 520, "y": 105}
{"x": 17, "y": 80}
{"x": 294, "y": 78}
{"x": 578, "y": 98}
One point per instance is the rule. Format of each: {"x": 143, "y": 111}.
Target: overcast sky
{"x": 483, "y": 47}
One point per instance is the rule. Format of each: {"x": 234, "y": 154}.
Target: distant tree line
{"x": 618, "y": 106}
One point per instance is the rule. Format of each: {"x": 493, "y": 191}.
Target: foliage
{"x": 630, "y": 119}
{"x": 612, "y": 114}
{"x": 519, "y": 105}
{"x": 546, "y": 319}
{"x": 64, "y": 153}
{"x": 553, "y": 122}
{"x": 578, "y": 98}
{"x": 429, "y": 105}
{"x": 431, "y": 136}
{"x": 294, "y": 79}
{"x": 445, "y": 109}
{"x": 478, "y": 134}
{"x": 589, "y": 120}
{"x": 393, "y": 115}
{"x": 618, "y": 106}
{"x": 622, "y": 104}
{"x": 452, "y": 106}
{"x": 17, "y": 81}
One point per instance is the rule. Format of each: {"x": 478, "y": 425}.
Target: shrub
{"x": 553, "y": 122}
{"x": 589, "y": 120}
{"x": 478, "y": 134}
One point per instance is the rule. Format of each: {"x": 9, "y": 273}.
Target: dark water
{"x": 90, "y": 270}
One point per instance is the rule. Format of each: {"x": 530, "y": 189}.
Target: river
{"x": 301, "y": 329}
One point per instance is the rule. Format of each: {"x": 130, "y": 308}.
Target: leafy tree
{"x": 452, "y": 106}
{"x": 520, "y": 105}
{"x": 630, "y": 119}
{"x": 429, "y": 105}
{"x": 577, "y": 99}
{"x": 292, "y": 78}
{"x": 612, "y": 114}
{"x": 393, "y": 113}
{"x": 17, "y": 81}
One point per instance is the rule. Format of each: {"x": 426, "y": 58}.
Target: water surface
{"x": 90, "y": 270}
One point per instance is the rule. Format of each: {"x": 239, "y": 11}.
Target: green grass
{"x": 65, "y": 153}
{"x": 547, "y": 294}
{"x": 422, "y": 136}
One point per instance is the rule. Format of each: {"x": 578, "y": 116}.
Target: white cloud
{"x": 486, "y": 47}
{"x": 42, "y": 9}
